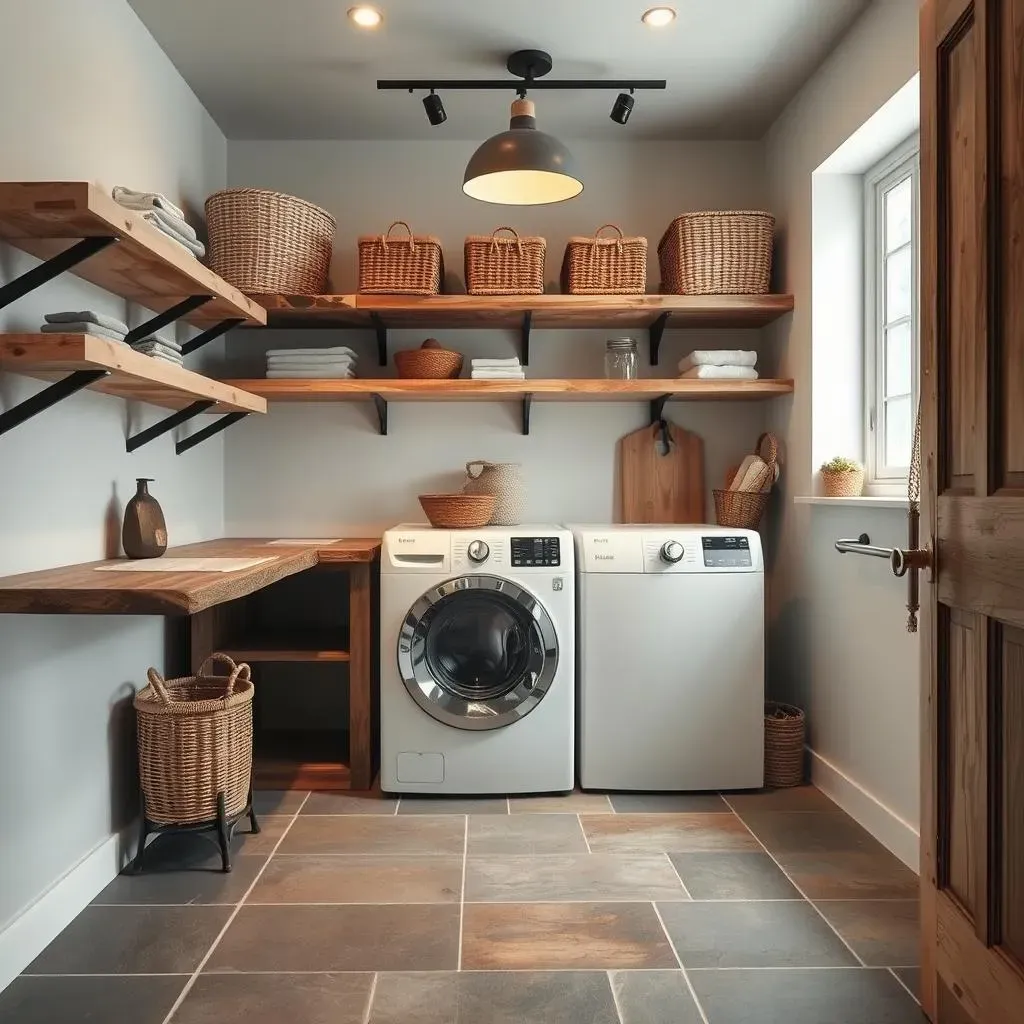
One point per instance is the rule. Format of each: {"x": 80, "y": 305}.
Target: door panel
{"x": 1012, "y": 715}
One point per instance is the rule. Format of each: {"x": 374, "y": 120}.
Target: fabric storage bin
{"x": 605, "y": 266}
{"x": 717, "y": 253}
{"x": 410, "y": 265}
{"x": 504, "y": 266}
{"x": 266, "y": 242}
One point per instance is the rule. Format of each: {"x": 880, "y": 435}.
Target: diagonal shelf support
{"x": 382, "y": 413}
{"x": 53, "y": 267}
{"x": 527, "y": 403}
{"x": 655, "y": 332}
{"x": 42, "y": 401}
{"x": 210, "y": 334}
{"x": 136, "y": 441}
{"x": 207, "y": 432}
{"x": 382, "y": 340}
{"x": 168, "y": 316}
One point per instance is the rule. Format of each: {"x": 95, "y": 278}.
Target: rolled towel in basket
{"x": 717, "y": 357}
{"x": 88, "y": 316}
{"x": 720, "y": 373}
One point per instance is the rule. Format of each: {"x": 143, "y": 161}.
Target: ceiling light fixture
{"x": 622, "y": 108}
{"x": 658, "y": 17}
{"x": 435, "y": 109}
{"x": 365, "y": 16}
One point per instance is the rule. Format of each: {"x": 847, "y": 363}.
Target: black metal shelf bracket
{"x": 382, "y": 339}
{"x": 524, "y": 357}
{"x": 53, "y": 267}
{"x": 382, "y": 414}
{"x": 136, "y": 441}
{"x": 210, "y": 334}
{"x": 42, "y": 401}
{"x": 527, "y": 403}
{"x": 658, "y": 408}
{"x": 655, "y": 332}
{"x": 168, "y": 316}
{"x": 207, "y": 432}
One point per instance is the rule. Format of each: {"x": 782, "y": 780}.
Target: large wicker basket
{"x": 504, "y": 266}
{"x": 264, "y": 242}
{"x": 605, "y": 266}
{"x": 784, "y": 729}
{"x": 717, "y": 253}
{"x": 195, "y": 742}
{"x": 412, "y": 265}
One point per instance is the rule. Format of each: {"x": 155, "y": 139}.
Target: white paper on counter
{"x": 183, "y": 564}
{"x": 303, "y": 542}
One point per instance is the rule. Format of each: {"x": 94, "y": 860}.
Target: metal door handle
{"x": 862, "y": 546}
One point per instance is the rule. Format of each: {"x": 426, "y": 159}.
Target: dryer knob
{"x": 478, "y": 551}
{"x": 672, "y": 552}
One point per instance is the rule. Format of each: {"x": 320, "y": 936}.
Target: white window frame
{"x": 882, "y": 478}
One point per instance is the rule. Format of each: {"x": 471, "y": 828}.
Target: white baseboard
{"x": 897, "y": 835}
{"x": 36, "y": 927}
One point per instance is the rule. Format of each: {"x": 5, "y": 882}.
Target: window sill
{"x": 864, "y": 501}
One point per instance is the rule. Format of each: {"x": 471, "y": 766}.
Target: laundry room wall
{"x": 331, "y": 471}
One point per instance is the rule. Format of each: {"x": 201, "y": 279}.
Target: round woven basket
{"x": 263, "y": 242}
{"x": 784, "y": 730}
{"x": 842, "y": 484}
{"x": 195, "y": 742}
{"x": 458, "y": 511}
{"x": 428, "y": 363}
{"x": 742, "y": 510}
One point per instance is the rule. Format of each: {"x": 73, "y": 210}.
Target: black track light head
{"x": 435, "y": 109}
{"x": 622, "y": 108}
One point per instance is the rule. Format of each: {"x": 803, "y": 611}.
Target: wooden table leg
{"x": 360, "y": 698}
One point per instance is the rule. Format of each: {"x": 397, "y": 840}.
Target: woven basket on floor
{"x": 195, "y": 741}
{"x": 717, "y": 253}
{"x": 458, "y": 511}
{"x": 504, "y": 266}
{"x": 605, "y": 266}
{"x": 842, "y": 484}
{"x": 267, "y": 242}
{"x": 784, "y": 729}
{"x": 410, "y": 265}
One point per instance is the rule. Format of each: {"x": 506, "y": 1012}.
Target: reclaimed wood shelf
{"x": 130, "y": 374}
{"x": 314, "y": 759}
{"x": 44, "y": 218}
{"x": 319, "y": 647}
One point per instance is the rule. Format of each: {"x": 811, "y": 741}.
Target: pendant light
{"x": 523, "y": 166}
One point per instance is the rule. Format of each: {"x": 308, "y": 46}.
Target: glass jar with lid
{"x": 621, "y": 361}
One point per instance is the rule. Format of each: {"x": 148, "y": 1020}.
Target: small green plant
{"x": 841, "y": 464}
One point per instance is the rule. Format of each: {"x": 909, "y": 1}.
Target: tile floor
{"x": 585, "y": 909}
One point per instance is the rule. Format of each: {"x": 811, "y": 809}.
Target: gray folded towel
{"x": 156, "y": 339}
{"x": 169, "y": 223}
{"x": 132, "y": 200}
{"x": 80, "y": 327}
{"x": 88, "y": 316}
{"x": 195, "y": 247}
{"x": 156, "y": 349}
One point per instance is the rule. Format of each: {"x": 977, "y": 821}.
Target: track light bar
{"x": 414, "y": 85}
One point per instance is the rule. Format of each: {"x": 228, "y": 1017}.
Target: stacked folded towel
{"x": 85, "y": 321}
{"x": 497, "y": 369}
{"x": 162, "y": 214}
{"x": 160, "y": 348}
{"x": 326, "y": 363}
{"x": 721, "y": 364}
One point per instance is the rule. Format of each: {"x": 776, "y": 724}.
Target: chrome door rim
{"x": 456, "y": 711}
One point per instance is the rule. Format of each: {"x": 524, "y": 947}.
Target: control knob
{"x": 478, "y": 551}
{"x": 671, "y": 552}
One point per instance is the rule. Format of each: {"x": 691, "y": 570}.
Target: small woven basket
{"x": 428, "y": 363}
{"x": 412, "y": 265}
{"x": 784, "y": 730}
{"x": 742, "y": 510}
{"x": 605, "y": 266}
{"x": 458, "y": 511}
{"x": 195, "y": 742}
{"x": 717, "y": 253}
{"x": 263, "y": 242}
{"x": 504, "y": 266}
{"x": 842, "y": 484}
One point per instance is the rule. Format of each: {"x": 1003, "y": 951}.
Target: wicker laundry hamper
{"x": 195, "y": 744}
{"x": 266, "y": 242}
{"x": 784, "y": 731}
{"x": 409, "y": 265}
{"x": 504, "y": 266}
{"x": 605, "y": 266}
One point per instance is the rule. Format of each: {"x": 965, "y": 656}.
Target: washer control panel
{"x": 726, "y": 552}
{"x": 536, "y": 551}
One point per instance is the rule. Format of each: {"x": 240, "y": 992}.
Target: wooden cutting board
{"x": 660, "y": 487}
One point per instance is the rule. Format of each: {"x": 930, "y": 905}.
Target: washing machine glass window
{"x": 477, "y": 652}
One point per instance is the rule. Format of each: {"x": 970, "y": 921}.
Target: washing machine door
{"x": 477, "y": 652}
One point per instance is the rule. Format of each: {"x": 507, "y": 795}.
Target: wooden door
{"x": 972, "y": 266}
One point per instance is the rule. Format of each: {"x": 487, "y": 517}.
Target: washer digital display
{"x": 536, "y": 551}
{"x": 726, "y": 552}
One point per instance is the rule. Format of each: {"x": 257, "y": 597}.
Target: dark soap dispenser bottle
{"x": 144, "y": 533}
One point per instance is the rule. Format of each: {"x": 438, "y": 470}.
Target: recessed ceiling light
{"x": 368, "y": 17}
{"x": 658, "y": 17}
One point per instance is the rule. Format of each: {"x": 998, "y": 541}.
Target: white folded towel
{"x": 720, "y": 373}
{"x": 496, "y": 374}
{"x": 343, "y": 350}
{"x": 154, "y": 348}
{"x": 196, "y": 248}
{"x": 88, "y": 316}
{"x": 312, "y": 364}
{"x": 81, "y": 327}
{"x": 717, "y": 357}
{"x": 132, "y": 200}
{"x": 484, "y": 364}
{"x": 308, "y": 360}
{"x": 328, "y": 373}
{"x": 171, "y": 224}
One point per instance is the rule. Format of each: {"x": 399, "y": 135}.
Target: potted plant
{"x": 842, "y": 478}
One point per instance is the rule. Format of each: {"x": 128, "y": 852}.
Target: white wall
{"x": 815, "y": 597}
{"x": 332, "y": 472}
{"x": 85, "y": 93}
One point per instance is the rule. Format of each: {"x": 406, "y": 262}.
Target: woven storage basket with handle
{"x": 605, "y": 266}
{"x": 409, "y": 265}
{"x": 195, "y": 741}
{"x": 263, "y": 241}
{"x": 784, "y": 728}
{"x": 717, "y": 253}
{"x": 505, "y": 266}
{"x": 742, "y": 510}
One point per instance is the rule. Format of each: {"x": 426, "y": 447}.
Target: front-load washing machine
{"x": 477, "y": 687}
{"x": 670, "y": 657}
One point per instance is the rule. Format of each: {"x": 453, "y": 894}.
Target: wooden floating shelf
{"x": 45, "y": 217}
{"x": 318, "y": 648}
{"x": 131, "y": 375}
{"x": 547, "y": 311}
{"x": 599, "y": 390}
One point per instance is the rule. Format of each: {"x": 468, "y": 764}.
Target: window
{"x": 891, "y": 286}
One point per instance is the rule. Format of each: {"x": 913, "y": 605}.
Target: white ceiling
{"x": 298, "y": 69}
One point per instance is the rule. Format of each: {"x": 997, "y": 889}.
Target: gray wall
{"x": 85, "y": 93}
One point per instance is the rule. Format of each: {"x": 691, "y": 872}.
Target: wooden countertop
{"x": 80, "y": 590}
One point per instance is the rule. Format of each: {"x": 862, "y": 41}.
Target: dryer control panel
{"x": 721, "y": 552}
{"x": 536, "y": 551}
